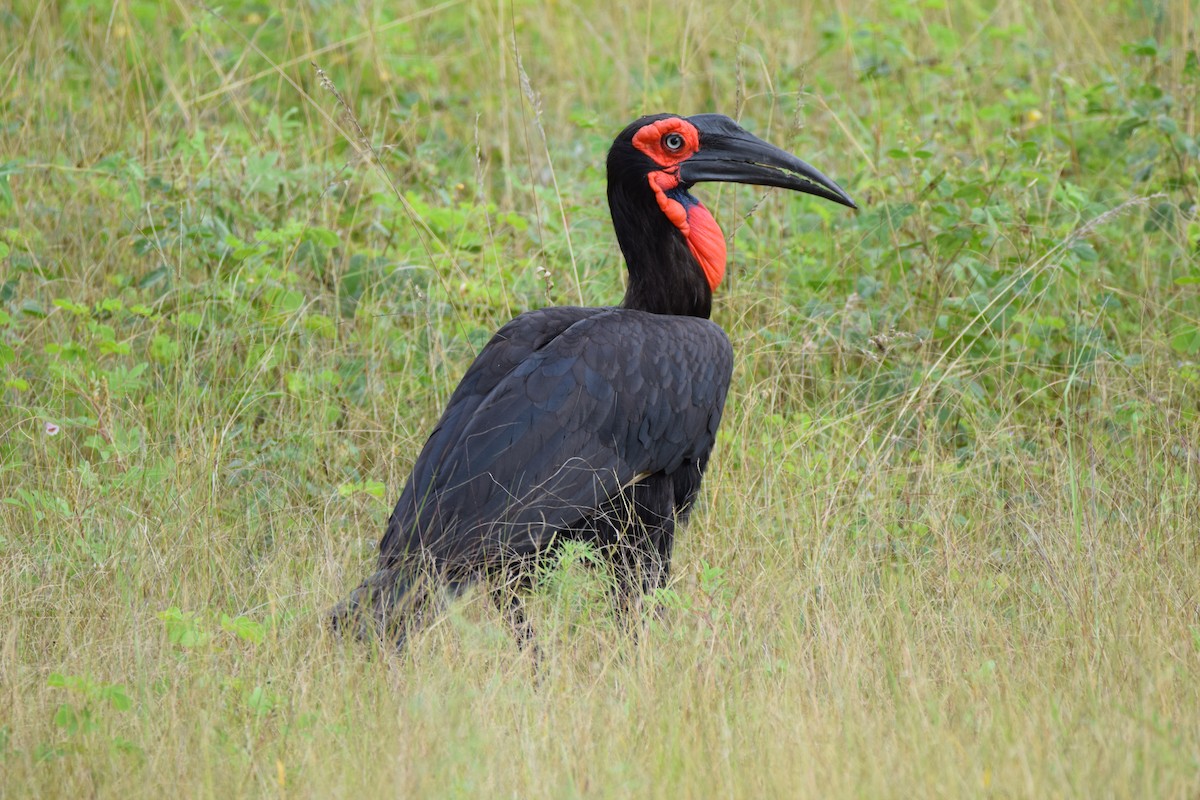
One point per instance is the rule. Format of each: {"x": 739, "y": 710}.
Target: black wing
{"x": 561, "y": 410}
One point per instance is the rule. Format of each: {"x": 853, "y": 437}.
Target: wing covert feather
{"x": 550, "y": 426}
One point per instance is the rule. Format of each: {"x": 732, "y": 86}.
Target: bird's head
{"x": 661, "y": 157}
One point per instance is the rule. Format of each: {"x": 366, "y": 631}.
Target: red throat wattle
{"x": 669, "y": 142}
{"x": 707, "y": 244}
{"x": 696, "y": 223}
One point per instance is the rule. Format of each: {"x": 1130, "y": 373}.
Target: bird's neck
{"x": 665, "y": 276}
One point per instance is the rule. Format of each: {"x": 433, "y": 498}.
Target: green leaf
{"x": 1147, "y": 48}
{"x": 1186, "y": 342}
{"x": 375, "y": 488}
{"x": 321, "y": 325}
{"x": 152, "y": 277}
{"x": 164, "y": 349}
{"x": 285, "y": 302}
{"x": 116, "y": 696}
{"x": 244, "y": 628}
{"x": 67, "y": 719}
{"x": 1161, "y": 217}
{"x": 32, "y": 308}
{"x": 1084, "y": 251}
{"x": 77, "y": 309}
{"x": 372, "y": 488}
{"x": 297, "y": 383}
{"x": 123, "y": 380}
{"x": 183, "y": 628}
{"x": 322, "y": 236}
{"x": 260, "y": 700}
{"x": 123, "y": 745}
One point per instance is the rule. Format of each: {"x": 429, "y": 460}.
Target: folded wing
{"x": 560, "y": 411}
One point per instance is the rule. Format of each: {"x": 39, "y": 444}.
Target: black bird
{"x": 586, "y": 423}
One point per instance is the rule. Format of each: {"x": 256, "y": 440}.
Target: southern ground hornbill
{"x": 585, "y": 423}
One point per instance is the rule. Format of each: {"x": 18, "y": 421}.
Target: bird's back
{"x": 560, "y": 411}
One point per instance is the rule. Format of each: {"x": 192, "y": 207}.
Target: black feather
{"x": 592, "y": 423}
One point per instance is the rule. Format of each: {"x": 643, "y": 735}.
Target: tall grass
{"x": 948, "y": 543}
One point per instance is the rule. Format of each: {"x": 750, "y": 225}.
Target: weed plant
{"x": 948, "y": 545}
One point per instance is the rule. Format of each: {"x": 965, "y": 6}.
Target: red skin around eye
{"x": 699, "y": 229}
{"x": 649, "y": 141}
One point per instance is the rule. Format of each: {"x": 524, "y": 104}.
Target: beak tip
{"x": 840, "y": 197}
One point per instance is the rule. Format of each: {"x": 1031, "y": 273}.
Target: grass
{"x": 948, "y": 544}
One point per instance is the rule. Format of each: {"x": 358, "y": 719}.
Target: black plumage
{"x": 592, "y": 423}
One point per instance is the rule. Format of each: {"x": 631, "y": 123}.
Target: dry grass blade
{"x": 946, "y": 545}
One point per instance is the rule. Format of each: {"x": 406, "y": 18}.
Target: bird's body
{"x": 585, "y": 423}
{"x": 536, "y": 437}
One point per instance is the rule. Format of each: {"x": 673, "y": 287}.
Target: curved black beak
{"x": 731, "y": 154}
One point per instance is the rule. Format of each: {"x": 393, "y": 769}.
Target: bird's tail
{"x": 386, "y": 605}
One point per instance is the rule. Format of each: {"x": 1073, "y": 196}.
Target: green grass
{"x": 949, "y": 543}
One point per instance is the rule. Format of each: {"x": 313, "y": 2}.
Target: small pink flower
{"x": 52, "y": 429}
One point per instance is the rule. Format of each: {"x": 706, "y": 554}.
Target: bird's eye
{"x": 673, "y": 142}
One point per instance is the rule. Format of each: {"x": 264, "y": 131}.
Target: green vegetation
{"x": 949, "y": 544}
